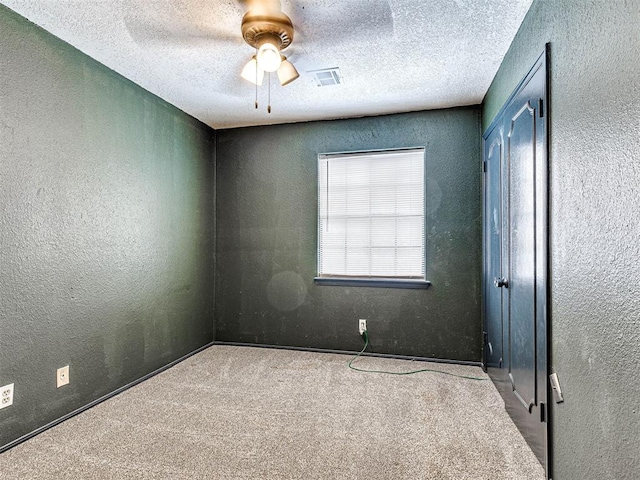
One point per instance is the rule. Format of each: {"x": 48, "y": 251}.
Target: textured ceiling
{"x": 393, "y": 55}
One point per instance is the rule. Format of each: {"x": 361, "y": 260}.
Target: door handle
{"x": 501, "y": 282}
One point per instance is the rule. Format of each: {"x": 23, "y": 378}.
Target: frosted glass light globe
{"x": 269, "y": 58}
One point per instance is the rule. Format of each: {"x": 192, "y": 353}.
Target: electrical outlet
{"x": 362, "y": 325}
{"x": 6, "y": 396}
{"x": 62, "y": 376}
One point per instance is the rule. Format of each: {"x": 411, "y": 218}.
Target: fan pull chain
{"x": 256, "y": 103}
{"x": 269, "y": 106}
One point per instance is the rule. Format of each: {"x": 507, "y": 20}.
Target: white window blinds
{"x": 371, "y": 210}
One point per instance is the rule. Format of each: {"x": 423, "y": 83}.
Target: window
{"x": 371, "y": 209}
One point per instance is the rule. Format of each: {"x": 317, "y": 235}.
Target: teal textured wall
{"x": 106, "y": 228}
{"x": 595, "y": 224}
{"x": 267, "y": 237}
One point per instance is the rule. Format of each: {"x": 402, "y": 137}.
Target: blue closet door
{"x": 494, "y": 327}
{"x": 515, "y": 263}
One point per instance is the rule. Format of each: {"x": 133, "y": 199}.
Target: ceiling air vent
{"x": 326, "y": 77}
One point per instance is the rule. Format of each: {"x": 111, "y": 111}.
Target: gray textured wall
{"x": 106, "y": 228}
{"x": 267, "y": 235}
{"x": 595, "y": 225}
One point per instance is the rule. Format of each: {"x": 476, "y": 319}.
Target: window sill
{"x": 373, "y": 282}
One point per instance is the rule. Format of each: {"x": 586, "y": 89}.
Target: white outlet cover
{"x": 6, "y": 396}
{"x": 362, "y": 325}
{"x": 62, "y": 376}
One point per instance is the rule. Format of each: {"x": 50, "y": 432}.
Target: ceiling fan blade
{"x": 230, "y": 83}
{"x": 181, "y": 24}
{"x": 265, "y": 5}
{"x": 159, "y": 36}
{"x": 291, "y": 53}
{"x": 345, "y": 22}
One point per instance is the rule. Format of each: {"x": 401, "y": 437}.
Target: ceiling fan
{"x": 269, "y": 30}
{"x": 212, "y": 24}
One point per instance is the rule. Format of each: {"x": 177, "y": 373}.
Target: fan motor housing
{"x": 275, "y": 25}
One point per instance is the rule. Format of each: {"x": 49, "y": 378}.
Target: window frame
{"x": 365, "y": 281}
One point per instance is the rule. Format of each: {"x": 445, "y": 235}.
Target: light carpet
{"x": 255, "y": 413}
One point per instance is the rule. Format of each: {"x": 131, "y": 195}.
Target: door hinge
{"x": 543, "y": 412}
{"x": 484, "y": 166}
{"x": 540, "y": 107}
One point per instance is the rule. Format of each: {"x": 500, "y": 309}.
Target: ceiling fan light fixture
{"x": 269, "y": 58}
{"x": 269, "y": 31}
{"x": 252, "y": 72}
{"x": 287, "y": 73}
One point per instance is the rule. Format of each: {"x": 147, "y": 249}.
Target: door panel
{"x": 522, "y": 252}
{"x": 493, "y": 250}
